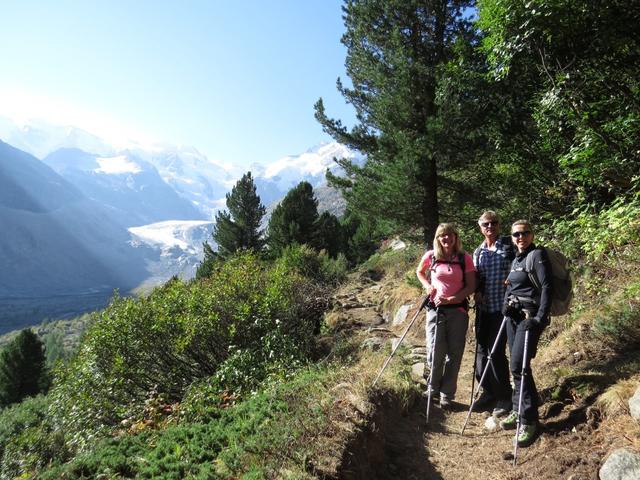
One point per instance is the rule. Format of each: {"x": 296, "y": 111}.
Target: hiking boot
{"x": 510, "y": 422}
{"x": 434, "y": 394}
{"x": 503, "y": 407}
{"x": 527, "y": 434}
{"x": 445, "y": 403}
{"x": 484, "y": 403}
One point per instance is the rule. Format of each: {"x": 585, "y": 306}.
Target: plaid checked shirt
{"x": 493, "y": 267}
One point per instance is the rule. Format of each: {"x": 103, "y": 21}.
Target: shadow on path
{"x": 393, "y": 445}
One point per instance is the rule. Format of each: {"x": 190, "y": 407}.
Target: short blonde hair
{"x": 442, "y": 229}
{"x": 524, "y": 222}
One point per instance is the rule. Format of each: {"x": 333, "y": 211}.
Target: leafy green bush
{"x": 246, "y": 322}
{"x": 333, "y": 270}
{"x": 601, "y": 235}
{"x": 253, "y": 439}
{"x": 300, "y": 258}
{"x": 619, "y": 324}
{"x": 319, "y": 267}
{"x": 28, "y": 442}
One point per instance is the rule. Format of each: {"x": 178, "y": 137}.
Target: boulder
{"x": 398, "y": 244}
{"x": 373, "y": 343}
{"x": 634, "y": 405}
{"x": 401, "y": 315}
{"x": 622, "y": 464}
{"x": 417, "y": 373}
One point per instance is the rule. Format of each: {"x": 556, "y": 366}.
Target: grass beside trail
{"x": 296, "y": 429}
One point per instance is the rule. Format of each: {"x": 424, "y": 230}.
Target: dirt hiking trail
{"x": 400, "y": 445}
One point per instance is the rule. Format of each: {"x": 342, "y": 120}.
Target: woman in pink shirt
{"x": 448, "y": 275}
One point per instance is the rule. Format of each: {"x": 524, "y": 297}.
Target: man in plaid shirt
{"x": 492, "y": 260}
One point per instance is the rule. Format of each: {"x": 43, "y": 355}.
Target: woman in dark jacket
{"x": 527, "y": 310}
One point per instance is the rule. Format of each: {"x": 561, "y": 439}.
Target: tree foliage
{"x": 396, "y": 51}
{"x": 238, "y": 228}
{"x": 23, "y": 371}
{"x": 577, "y": 62}
{"x": 294, "y": 219}
{"x": 329, "y": 235}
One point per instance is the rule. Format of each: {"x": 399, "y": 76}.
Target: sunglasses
{"x": 489, "y": 224}
{"x": 521, "y": 234}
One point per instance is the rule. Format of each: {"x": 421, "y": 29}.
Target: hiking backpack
{"x": 561, "y": 283}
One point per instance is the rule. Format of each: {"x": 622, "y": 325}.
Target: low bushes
{"x": 240, "y": 326}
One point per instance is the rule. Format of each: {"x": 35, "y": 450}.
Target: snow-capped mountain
{"x": 124, "y": 182}
{"x": 192, "y": 176}
{"x": 54, "y": 238}
{"x": 40, "y": 138}
{"x": 177, "y": 247}
{"x": 311, "y": 166}
{"x": 81, "y": 216}
{"x": 189, "y": 173}
{"x": 277, "y": 178}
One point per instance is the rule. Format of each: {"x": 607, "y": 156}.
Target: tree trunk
{"x": 430, "y": 211}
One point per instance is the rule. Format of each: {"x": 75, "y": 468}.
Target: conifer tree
{"x": 239, "y": 227}
{"x": 23, "y": 370}
{"x": 396, "y": 54}
{"x": 205, "y": 267}
{"x": 294, "y": 219}
{"x": 329, "y": 235}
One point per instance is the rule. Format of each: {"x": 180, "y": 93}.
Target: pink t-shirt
{"x": 446, "y": 278}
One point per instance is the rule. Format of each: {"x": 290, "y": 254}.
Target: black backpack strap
{"x": 476, "y": 255}
{"x": 509, "y": 247}
{"x": 462, "y": 265}
{"x": 528, "y": 267}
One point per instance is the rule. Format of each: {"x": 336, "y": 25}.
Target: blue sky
{"x": 235, "y": 79}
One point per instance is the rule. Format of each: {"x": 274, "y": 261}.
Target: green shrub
{"x": 619, "y": 324}
{"x": 300, "y": 258}
{"x": 333, "y": 270}
{"x": 248, "y": 321}
{"x": 28, "y": 441}
{"x": 255, "y": 438}
{"x": 601, "y": 235}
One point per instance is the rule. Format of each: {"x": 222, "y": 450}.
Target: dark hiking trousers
{"x": 515, "y": 336}
{"x": 496, "y": 381}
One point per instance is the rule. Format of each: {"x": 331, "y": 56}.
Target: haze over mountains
{"x": 81, "y": 217}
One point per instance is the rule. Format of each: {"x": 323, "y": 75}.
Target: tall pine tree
{"x": 396, "y": 54}
{"x": 294, "y": 219}
{"x": 23, "y": 371}
{"x": 239, "y": 227}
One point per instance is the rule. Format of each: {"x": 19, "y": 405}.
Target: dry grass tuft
{"x": 350, "y": 404}
{"x": 615, "y": 400}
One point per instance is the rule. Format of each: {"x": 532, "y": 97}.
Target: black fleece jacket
{"x": 519, "y": 284}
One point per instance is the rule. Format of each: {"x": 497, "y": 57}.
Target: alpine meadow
{"x": 261, "y": 364}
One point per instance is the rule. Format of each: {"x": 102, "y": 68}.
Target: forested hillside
{"x": 262, "y": 366}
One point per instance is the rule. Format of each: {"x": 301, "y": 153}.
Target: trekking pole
{"x": 478, "y": 316}
{"x": 484, "y": 372}
{"x": 433, "y": 353}
{"x": 522, "y": 379}
{"x": 422, "y": 305}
